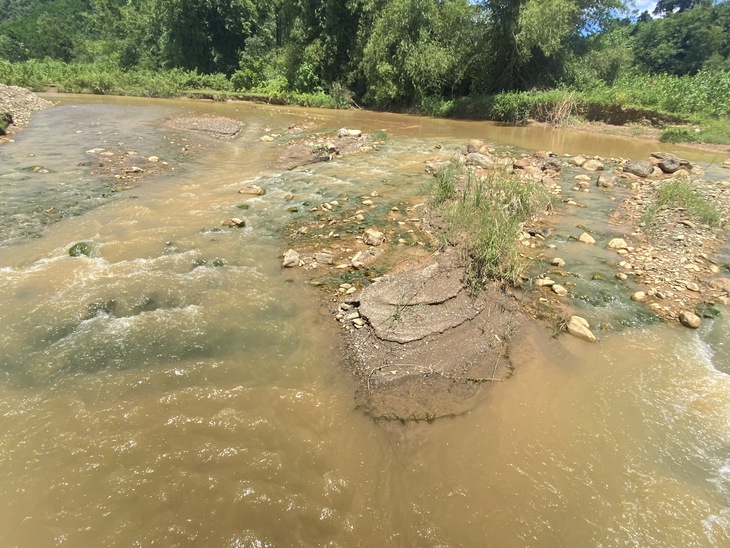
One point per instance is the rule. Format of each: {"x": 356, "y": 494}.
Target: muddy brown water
{"x": 148, "y": 396}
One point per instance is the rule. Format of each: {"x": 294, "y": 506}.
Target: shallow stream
{"x": 177, "y": 388}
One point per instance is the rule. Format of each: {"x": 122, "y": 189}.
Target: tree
{"x": 523, "y": 31}
{"x": 685, "y": 41}
{"x": 664, "y": 7}
{"x": 422, "y": 48}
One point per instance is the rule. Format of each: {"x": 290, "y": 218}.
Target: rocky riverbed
{"x": 423, "y": 347}
{"x": 19, "y": 104}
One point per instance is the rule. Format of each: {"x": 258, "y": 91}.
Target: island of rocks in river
{"x": 424, "y": 347}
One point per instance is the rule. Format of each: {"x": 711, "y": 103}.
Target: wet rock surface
{"x": 218, "y": 127}
{"x": 429, "y": 348}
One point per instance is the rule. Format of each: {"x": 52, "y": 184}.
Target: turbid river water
{"x": 150, "y": 397}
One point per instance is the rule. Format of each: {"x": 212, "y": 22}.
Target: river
{"x": 176, "y": 388}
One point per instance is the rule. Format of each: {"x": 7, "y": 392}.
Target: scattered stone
{"x": 638, "y": 296}
{"x": 578, "y": 160}
{"x": 642, "y": 168}
{"x": 17, "y": 105}
{"x": 689, "y": 319}
{"x": 593, "y": 165}
{"x": 722, "y": 284}
{"x": 475, "y": 145}
{"x": 479, "y": 160}
{"x": 606, "y": 181}
{"x": 324, "y": 257}
{"x": 586, "y": 238}
{"x": 373, "y": 237}
{"x": 344, "y": 132}
{"x": 544, "y": 282}
{"x": 291, "y": 259}
{"x": 153, "y": 159}
{"x": 621, "y": 276}
{"x": 266, "y": 139}
{"x": 579, "y": 327}
{"x": 557, "y": 261}
{"x": 551, "y": 164}
{"x": 559, "y": 290}
{"x": 670, "y": 164}
{"x": 617, "y": 243}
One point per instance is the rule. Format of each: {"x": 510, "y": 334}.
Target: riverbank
{"x": 17, "y": 105}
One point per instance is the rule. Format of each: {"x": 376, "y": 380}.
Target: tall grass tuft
{"x": 443, "y": 187}
{"x": 486, "y": 218}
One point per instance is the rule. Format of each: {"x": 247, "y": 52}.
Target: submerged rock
{"x": 235, "y": 222}
{"x": 586, "y": 238}
{"x": 81, "y": 249}
{"x": 252, "y": 189}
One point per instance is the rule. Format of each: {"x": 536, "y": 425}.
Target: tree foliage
{"x": 388, "y": 52}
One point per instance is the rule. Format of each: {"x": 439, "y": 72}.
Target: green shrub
{"x": 5, "y": 120}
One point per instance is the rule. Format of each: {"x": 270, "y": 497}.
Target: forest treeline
{"x": 439, "y": 56}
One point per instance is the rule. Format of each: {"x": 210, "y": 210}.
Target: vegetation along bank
{"x": 515, "y": 60}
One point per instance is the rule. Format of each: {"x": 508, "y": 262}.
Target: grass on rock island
{"x": 483, "y": 214}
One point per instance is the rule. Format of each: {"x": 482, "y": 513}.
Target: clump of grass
{"x": 679, "y": 194}
{"x": 443, "y": 187}
{"x": 713, "y": 131}
{"x": 486, "y": 219}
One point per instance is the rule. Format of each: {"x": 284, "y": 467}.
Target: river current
{"x": 177, "y": 388}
